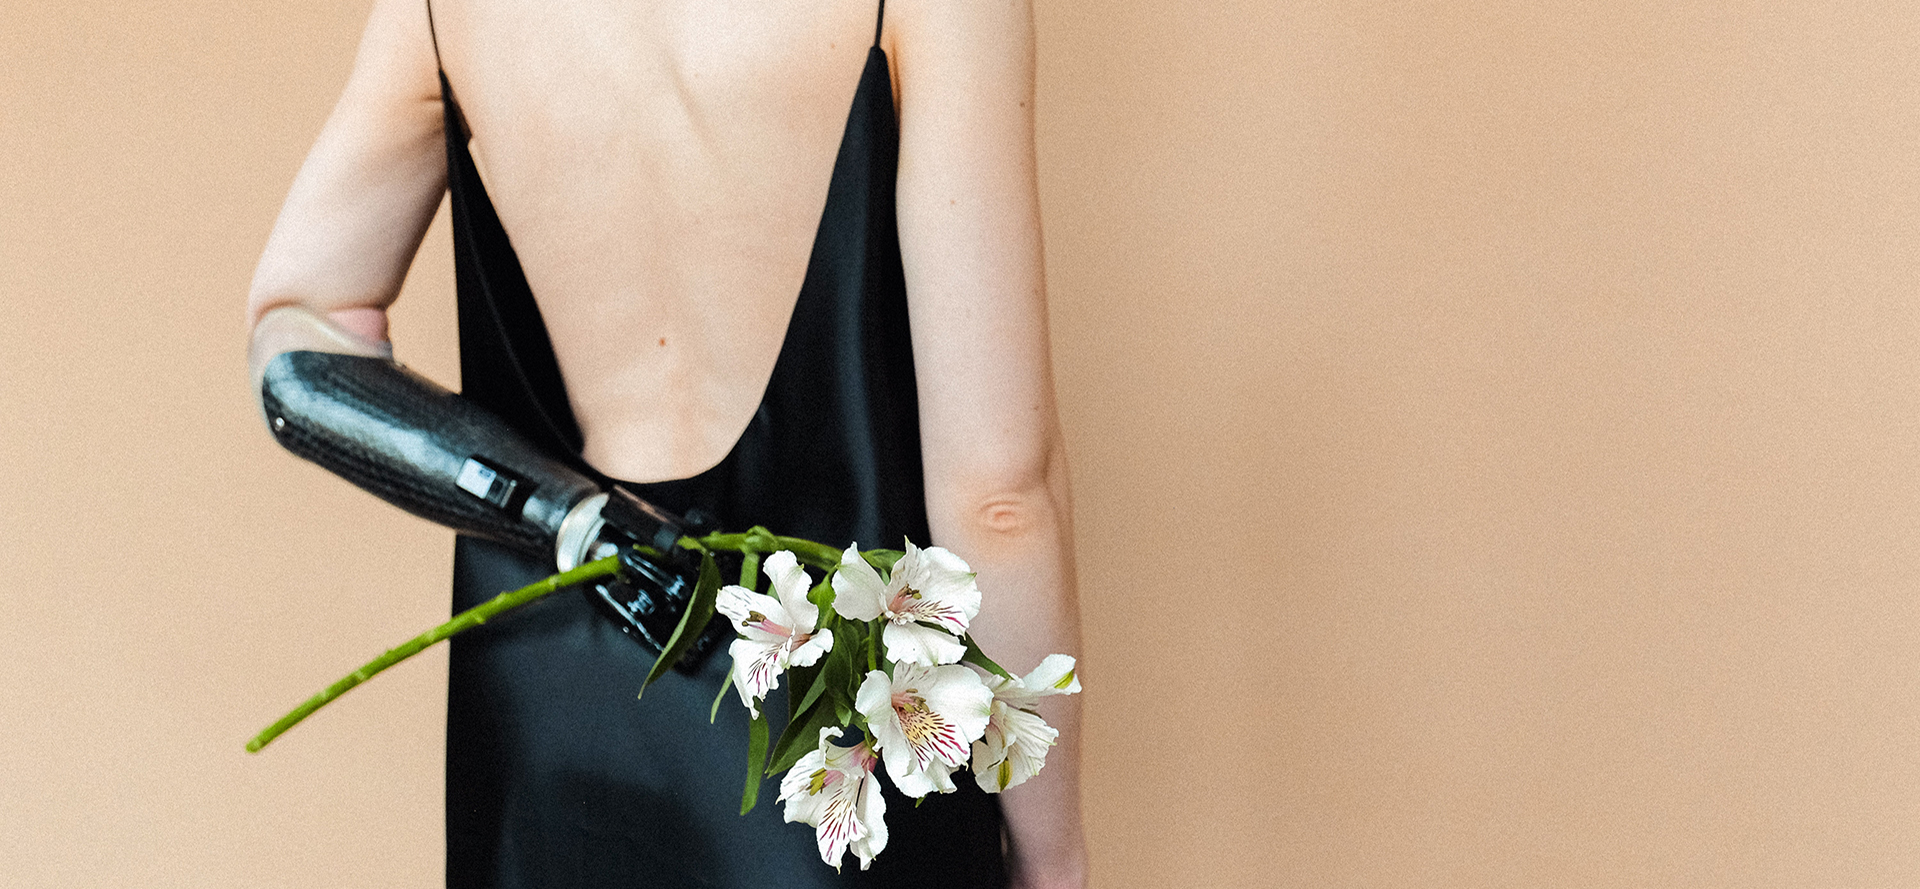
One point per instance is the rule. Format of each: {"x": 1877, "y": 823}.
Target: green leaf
{"x": 819, "y": 687}
{"x": 813, "y": 711}
{"x": 797, "y": 678}
{"x": 822, "y": 596}
{"x": 801, "y": 678}
{"x": 855, "y": 632}
{"x": 979, "y": 659}
{"x": 844, "y": 666}
{"x": 801, "y": 736}
{"x": 882, "y": 559}
{"x": 756, "y": 754}
{"x": 714, "y": 713}
{"x": 692, "y": 623}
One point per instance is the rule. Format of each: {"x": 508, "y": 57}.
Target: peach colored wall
{"x": 1496, "y": 431}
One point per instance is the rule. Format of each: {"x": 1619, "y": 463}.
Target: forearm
{"x": 1020, "y": 542}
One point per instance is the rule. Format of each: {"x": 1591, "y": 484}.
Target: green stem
{"x": 818, "y": 555}
{"x": 465, "y": 620}
{"x": 750, "y": 571}
{"x": 753, "y": 542}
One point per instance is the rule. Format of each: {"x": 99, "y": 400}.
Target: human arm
{"x": 322, "y": 367}
{"x": 319, "y": 357}
{"x": 996, "y": 473}
{"x": 360, "y": 204}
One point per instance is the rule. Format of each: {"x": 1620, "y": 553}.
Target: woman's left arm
{"x": 995, "y": 469}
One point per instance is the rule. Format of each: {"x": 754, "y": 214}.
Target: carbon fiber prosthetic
{"x": 409, "y": 442}
{"x": 417, "y": 446}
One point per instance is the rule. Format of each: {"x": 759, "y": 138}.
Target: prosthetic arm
{"x": 424, "y": 449}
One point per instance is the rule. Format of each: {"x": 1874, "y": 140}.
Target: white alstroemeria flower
{"x": 923, "y": 720}
{"x": 928, "y": 586}
{"x": 777, "y": 633}
{"x": 1014, "y": 746}
{"x": 833, "y": 789}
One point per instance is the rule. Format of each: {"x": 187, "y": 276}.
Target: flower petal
{"x": 943, "y": 613}
{"x": 740, "y": 605}
{"x": 910, "y": 643}
{"x": 809, "y": 652}
{"x": 923, "y": 721}
{"x": 958, "y": 695}
{"x": 1013, "y": 749}
{"x": 874, "y": 697}
{"x": 873, "y": 810}
{"x": 947, "y": 577}
{"x": 791, "y": 583}
{"x": 1054, "y": 676}
{"x": 917, "y": 784}
{"x": 832, "y": 788}
{"x": 756, "y": 670}
{"x": 799, "y": 777}
{"x": 874, "y": 700}
{"x": 858, "y": 593}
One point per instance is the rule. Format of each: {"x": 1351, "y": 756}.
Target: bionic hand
{"x": 429, "y": 451}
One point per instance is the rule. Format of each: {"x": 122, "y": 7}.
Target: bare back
{"x": 661, "y": 170}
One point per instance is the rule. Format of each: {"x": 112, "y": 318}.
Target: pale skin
{"x": 660, "y": 168}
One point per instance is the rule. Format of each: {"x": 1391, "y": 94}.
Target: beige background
{"x": 1496, "y": 432}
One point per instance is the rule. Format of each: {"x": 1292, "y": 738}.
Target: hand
{"x": 651, "y": 592}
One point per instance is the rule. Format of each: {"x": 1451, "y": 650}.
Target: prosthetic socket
{"x": 430, "y": 452}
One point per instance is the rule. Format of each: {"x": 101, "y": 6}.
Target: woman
{"x": 662, "y": 169}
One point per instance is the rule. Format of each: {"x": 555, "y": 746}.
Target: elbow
{"x": 1009, "y": 509}
{"x": 293, "y": 327}
{"x": 1015, "y": 513}
{"x": 1002, "y": 524}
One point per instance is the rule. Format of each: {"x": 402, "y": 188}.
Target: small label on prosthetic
{"x": 477, "y": 478}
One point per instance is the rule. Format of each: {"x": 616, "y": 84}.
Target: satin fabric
{"x": 556, "y": 775}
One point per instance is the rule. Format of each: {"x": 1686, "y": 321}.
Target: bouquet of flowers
{"x": 876, "y": 645}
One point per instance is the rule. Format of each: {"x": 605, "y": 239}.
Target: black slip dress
{"x": 556, "y": 775}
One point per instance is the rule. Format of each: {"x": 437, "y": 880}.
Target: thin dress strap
{"x": 436, "y": 39}
{"x": 879, "y": 20}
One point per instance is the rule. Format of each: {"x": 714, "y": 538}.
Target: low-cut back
{"x": 556, "y": 775}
